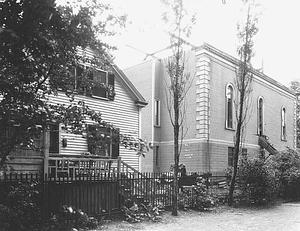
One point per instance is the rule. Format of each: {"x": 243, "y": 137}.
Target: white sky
{"x": 276, "y": 44}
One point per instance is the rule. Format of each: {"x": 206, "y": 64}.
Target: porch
{"x": 74, "y": 166}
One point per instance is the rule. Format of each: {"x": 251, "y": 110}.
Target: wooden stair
{"x": 264, "y": 143}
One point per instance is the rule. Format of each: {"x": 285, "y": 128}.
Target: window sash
{"x": 260, "y": 117}
{"x": 229, "y": 107}
{"x": 283, "y": 123}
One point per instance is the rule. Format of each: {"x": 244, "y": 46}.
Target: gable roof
{"x": 136, "y": 95}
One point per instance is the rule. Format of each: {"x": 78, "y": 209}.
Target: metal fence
{"x": 103, "y": 194}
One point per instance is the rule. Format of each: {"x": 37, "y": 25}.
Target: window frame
{"x": 283, "y": 124}
{"x": 56, "y": 133}
{"x": 109, "y": 83}
{"x": 230, "y": 154}
{"x": 260, "y": 116}
{"x": 229, "y": 109}
{"x": 157, "y": 112}
{"x": 110, "y": 149}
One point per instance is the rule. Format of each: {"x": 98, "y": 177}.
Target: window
{"x": 231, "y": 155}
{"x": 260, "y": 117}
{"x": 229, "y": 107}
{"x": 103, "y": 141}
{"x": 283, "y": 123}
{"x": 157, "y": 113}
{"x": 97, "y": 83}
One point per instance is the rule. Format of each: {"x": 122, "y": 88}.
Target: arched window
{"x": 229, "y": 107}
{"x": 283, "y": 123}
{"x": 260, "y": 116}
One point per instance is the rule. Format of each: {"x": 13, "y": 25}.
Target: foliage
{"x": 295, "y": 86}
{"x": 287, "y": 166}
{"x": 40, "y": 43}
{"x": 132, "y": 142}
{"x": 138, "y": 212}
{"x": 69, "y": 219}
{"x": 197, "y": 197}
{"x": 179, "y": 23}
{"x": 243, "y": 82}
{"x": 257, "y": 181}
{"x": 18, "y": 206}
{"x": 104, "y": 134}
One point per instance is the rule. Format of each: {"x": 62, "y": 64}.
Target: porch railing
{"x": 74, "y": 166}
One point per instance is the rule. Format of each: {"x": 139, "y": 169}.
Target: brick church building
{"x": 210, "y": 114}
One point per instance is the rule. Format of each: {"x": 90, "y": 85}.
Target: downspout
{"x": 140, "y": 134}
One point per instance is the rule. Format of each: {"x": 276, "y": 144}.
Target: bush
{"x": 138, "y": 212}
{"x": 19, "y": 210}
{"x": 257, "y": 181}
{"x": 18, "y": 206}
{"x": 196, "y": 197}
{"x": 70, "y": 219}
{"x": 287, "y": 166}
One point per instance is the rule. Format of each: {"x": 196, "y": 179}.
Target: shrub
{"x": 196, "y": 197}
{"x": 18, "y": 206}
{"x": 138, "y": 212}
{"x": 19, "y": 210}
{"x": 257, "y": 181}
{"x": 287, "y": 166}
{"x": 70, "y": 219}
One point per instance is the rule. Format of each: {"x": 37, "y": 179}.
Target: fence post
{"x": 119, "y": 164}
{"x": 46, "y": 151}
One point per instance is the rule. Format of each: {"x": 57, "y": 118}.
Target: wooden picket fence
{"x": 103, "y": 194}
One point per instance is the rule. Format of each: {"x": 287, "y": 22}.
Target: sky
{"x": 277, "y": 44}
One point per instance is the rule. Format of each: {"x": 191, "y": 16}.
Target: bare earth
{"x": 280, "y": 217}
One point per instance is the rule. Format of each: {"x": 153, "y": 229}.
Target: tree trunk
{"x": 176, "y": 159}
{"x": 235, "y": 164}
{"x": 237, "y": 140}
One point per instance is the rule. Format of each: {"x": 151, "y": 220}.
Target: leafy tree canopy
{"x": 39, "y": 49}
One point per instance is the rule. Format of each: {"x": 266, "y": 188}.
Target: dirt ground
{"x": 279, "y": 217}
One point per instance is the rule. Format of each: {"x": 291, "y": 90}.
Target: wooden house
{"x": 66, "y": 154}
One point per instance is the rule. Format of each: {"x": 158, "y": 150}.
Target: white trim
{"x": 283, "y": 123}
{"x": 226, "y": 105}
{"x": 203, "y": 51}
{"x": 263, "y": 115}
{"x": 216, "y": 141}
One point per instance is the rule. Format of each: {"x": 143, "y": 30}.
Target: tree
{"x": 39, "y": 50}
{"x": 243, "y": 83}
{"x": 179, "y": 82}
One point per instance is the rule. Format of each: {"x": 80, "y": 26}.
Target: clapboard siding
{"x": 122, "y": 112}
